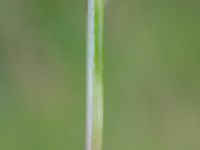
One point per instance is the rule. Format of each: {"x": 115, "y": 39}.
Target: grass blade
{"x": 94, "y": 138}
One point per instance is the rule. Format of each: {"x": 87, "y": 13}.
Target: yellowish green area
{"x": 152, "y": 75}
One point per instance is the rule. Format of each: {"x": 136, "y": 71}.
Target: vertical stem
{"x": 94, "y": 138}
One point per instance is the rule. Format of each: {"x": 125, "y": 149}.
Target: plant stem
{"x": 94, "y": 138}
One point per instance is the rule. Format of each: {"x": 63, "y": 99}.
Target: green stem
{"x": 94, "y": 138}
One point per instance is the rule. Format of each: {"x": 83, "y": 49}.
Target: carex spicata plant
{"x": 95, "y": 29}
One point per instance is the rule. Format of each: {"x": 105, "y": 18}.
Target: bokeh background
{"x": 152, "y": 74}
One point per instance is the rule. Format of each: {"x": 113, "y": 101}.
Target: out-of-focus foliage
{"x": 152, "y": 74}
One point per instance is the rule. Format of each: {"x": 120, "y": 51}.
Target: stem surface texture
{"x": 94, "y": 135}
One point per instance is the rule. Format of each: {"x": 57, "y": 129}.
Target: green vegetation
{"x": 151, "y": 75}
{"x": 94, "y": 136}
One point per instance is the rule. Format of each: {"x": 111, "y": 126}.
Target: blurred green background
{"x": 152, "y": 74}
